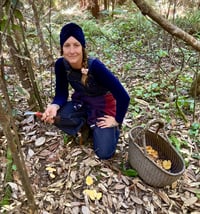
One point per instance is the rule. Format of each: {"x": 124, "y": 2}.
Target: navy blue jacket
{"x": 101, "y": 86}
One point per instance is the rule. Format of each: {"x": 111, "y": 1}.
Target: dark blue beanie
{"x": 74, "y": 30}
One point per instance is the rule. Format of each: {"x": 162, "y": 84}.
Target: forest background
{"x": 41, "y": 168}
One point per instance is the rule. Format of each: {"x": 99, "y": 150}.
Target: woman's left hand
{"x": 106, "y": 122}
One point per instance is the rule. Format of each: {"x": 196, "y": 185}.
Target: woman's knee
{"x": 105, "y": 142}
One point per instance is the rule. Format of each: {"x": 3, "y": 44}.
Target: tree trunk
{"x": 94, "y": 7}
{"x": 12, "y": 137}
{"x": 31, "y": 72}
{"x": 21, "y": 70}
{"x": 113, "y": 6}
{"x": 44, "y": 47}
{"x": 83, "y": 4}
{"x": 105, "y": 2}
{"x": 166, "y": 25}
{"x": 195, "y": 87}
{"x": 10, "y": 132}
{"x": 121, "y": 2}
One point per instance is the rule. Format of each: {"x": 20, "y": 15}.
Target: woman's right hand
{"x": 50, "y": 113}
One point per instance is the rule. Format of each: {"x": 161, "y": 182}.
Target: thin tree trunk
{"x": 12, "y": 139}
{"x": 147, "y": 10}
{"x": 45, "y": 49}
{"x": 94, "y": 7}
{"x": 22, "y": 72}
{"x": 31, "y": 72}
{"x": 105, "y": 4}
{"x": 113, "y": 6}
{"x": 10, "y": 132}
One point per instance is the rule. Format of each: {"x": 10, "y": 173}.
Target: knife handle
{"x": 38, "y": 114}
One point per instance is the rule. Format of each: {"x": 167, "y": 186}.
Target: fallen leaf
{"x": 85, "y": 210}
{"x": 30, "y": 153}
{"x": 190, "y": 201}
{"x": 164, "y": 197}
{"x": 13, "y": 186}
{"x": 119, "y": 186}
{"x": 141, "y": 102}
{"x": 102, "y": 187}
{"x": 174, "y": 185}
{"x": 136, "y": 200}
{"x": 40, "y": 141}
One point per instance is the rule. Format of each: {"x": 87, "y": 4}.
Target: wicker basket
{"x": 147, "y": 169}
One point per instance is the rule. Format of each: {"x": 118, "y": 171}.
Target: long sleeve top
{"x": 102, "y": 81}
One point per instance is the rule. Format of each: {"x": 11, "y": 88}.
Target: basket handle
{"x": 154, "y": 121}
{"x": 150, "y": 123}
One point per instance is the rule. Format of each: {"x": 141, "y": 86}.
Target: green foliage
{"x": 18, "y": 14}
{"x": 65, "y": 138}
{"x": 185, "y": 103}
{"x": 177, "y": 142}
{"x": 190, "y": 22}
{"x": 3, "y": 23}
{"x": 128, "y": 171}
{"x": 8, "y": 177}
{"x": 161, "y": 53}
{"x": 91, "y": 29}
{"x": 198, "y": 195}
{"x": 194, "y": 131}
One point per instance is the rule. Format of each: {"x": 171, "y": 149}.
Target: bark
{"x": 113, "y": 6}
{"x": 94, "y": 8}
{"x": 44, "y": 47}
{"x": 12, "y": 137}
{"x": 30, "y": 71}
{"x": 13, "y": 141}
{"x": 121, "y": 2}
{"x": 21, "y": 70}
{"x": 147, "y": 10}
{"x": 105, "y": 2}
{"x": 83, "y": 4}
{"x": 195, "y": 87}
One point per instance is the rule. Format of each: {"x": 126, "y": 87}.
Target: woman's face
{"x": 73, "y": 53}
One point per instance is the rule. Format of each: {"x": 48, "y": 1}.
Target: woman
{"x": 99, "y": 99}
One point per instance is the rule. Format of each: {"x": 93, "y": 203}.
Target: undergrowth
{"x": 163, "y": 66}
{"x": 156, "y": 69}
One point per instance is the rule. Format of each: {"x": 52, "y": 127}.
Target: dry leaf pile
{"x": 68, "y": 178}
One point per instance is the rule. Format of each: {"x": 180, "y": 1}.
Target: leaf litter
{"x": 58, "y": 171}
{"x": 66, "y": 178}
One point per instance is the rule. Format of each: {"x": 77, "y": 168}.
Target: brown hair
{"x": 84, "y": 77}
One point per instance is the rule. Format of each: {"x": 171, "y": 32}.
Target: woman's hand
{"x": 50, "y": 113}
{"x": 106, "y": 122}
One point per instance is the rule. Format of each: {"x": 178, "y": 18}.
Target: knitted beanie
{"x": 72, "y": 29}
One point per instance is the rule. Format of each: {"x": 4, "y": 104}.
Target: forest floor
{"x": 58, "y": 167}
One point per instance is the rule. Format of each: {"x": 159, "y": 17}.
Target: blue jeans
{"x": 104, "y": 139}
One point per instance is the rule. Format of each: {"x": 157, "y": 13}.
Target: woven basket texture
{"x": 147, "y": 169}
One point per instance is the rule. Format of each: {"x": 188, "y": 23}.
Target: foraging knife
{"x": 36, "y": 113}
{"x": 39, "y": 115}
